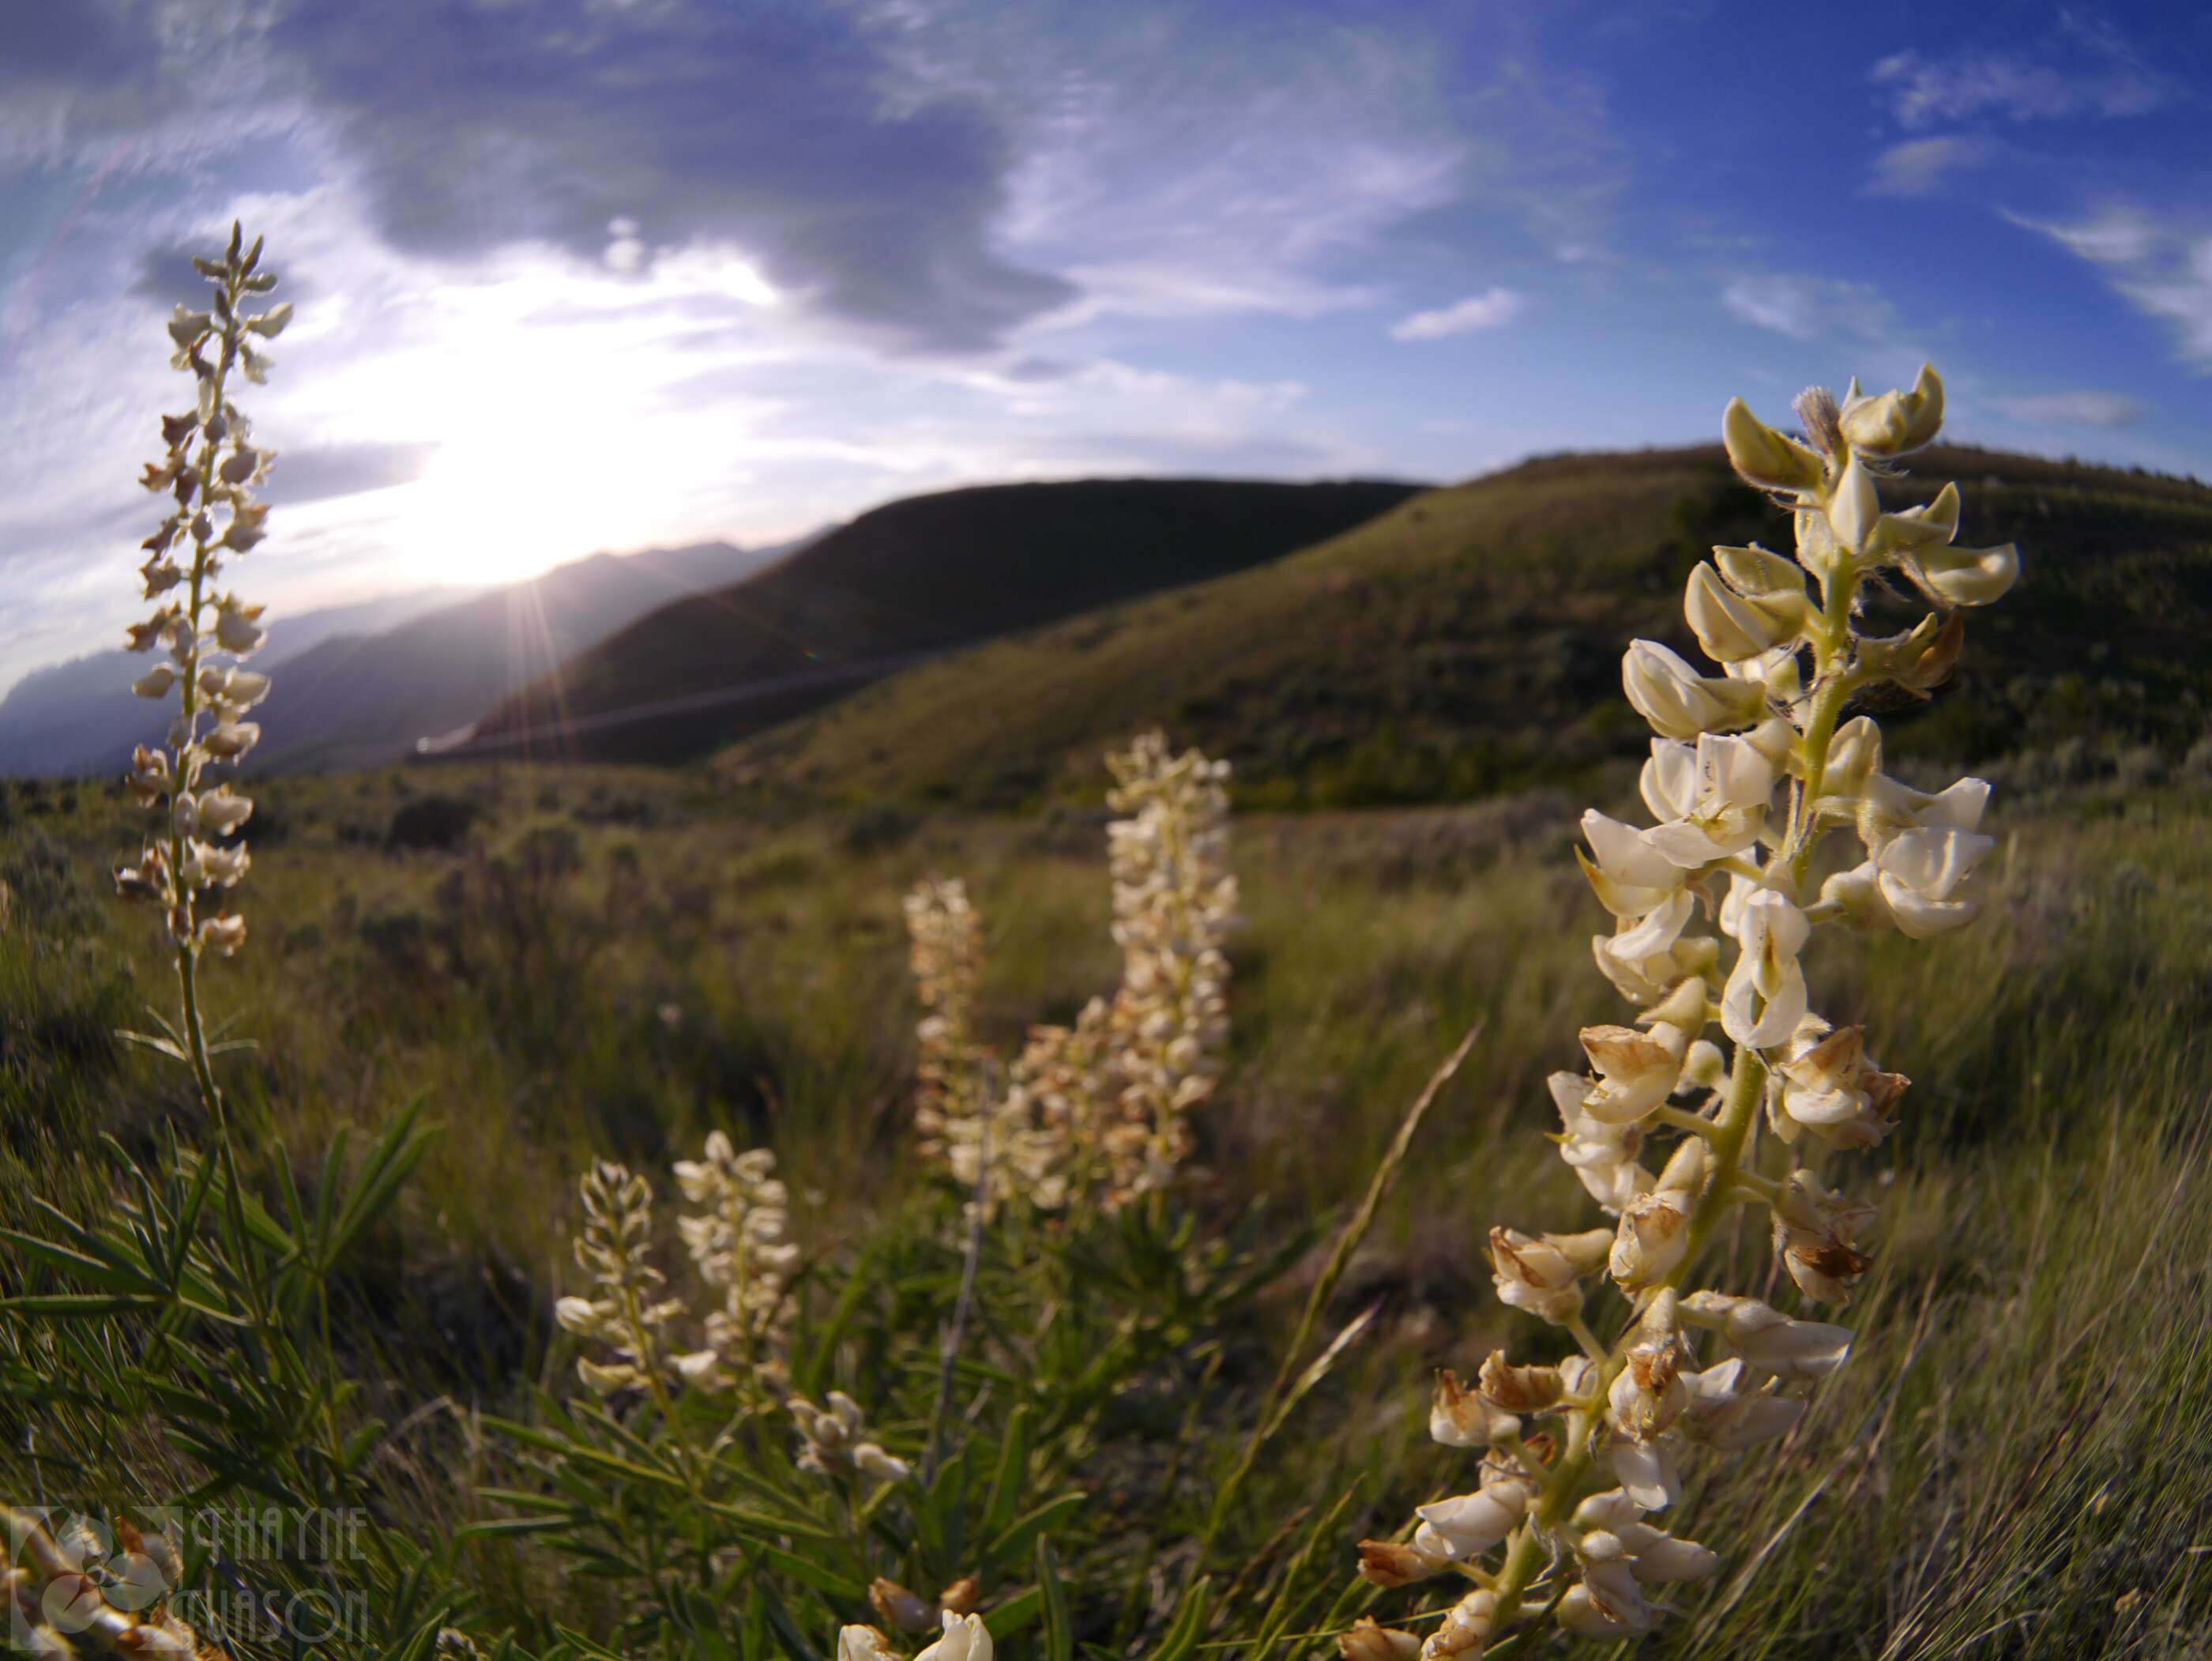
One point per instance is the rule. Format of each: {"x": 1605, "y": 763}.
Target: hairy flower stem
{"x": 634, "y": 1317}
{"x": 187, "y": 775}
{"x": 1525, "y": 1554}
{"x": 1725, "y": 1139}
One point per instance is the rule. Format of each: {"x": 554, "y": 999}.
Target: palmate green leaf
{"x": 767, "y": 1527}
{"x": 103, "y": 1270}
{"x": 1298, "y": 1588}
{"x": 941, "y": 1518}
{"x": 584, "y": 1646}
{"x": 810, "y": 1378}
{"x": 389, "y": 1164}
{"x": 1017, "y": 1613}
{"x": 795, "y": 1641}
{"x": 523, "y": 1500}
{"x": 752, "y": 1636}
{"x": 1025, "y": 1529}
{"x": 1190, "y": 1623}
{"x": 496, "y": 1527}
{"x": 422, "y": 1637}
{"x": 584, "y": 1453}
{"x": 326, "y": 1194}
{"x": 76, "y": 1305}
{"x": 703, "y": 1627}
{"x": 1011, "y": 1480}
{"x": 1059, "y": 1632}
{"x": 819, "y": 1576}
{"x": 160, "y": 1046}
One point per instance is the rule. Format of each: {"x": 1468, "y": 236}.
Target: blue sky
{"x": 575, "y": 274}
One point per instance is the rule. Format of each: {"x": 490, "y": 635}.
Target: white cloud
{"x": 2164, "y": 270}
{"x": 1917, "y": 167}
{"x": 1492, "y": 309}
{"x": 1807, "y": 308}
{"x": 2076, "y": 409}
{"x": 2088, "y": 71}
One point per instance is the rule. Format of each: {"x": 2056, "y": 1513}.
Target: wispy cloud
{"x": 2087, "y": 70}
{"x": 2075, "y": 409}
{"x": 1809, "y": 308}
{"x": 1492, "y": 309}
{"x": 1918, "y": 166}
{"x": 2163, "y": 270}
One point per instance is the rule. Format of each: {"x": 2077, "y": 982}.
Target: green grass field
{"x": 614, "y": 961}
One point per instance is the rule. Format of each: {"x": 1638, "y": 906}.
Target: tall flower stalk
{"x": 1102, "y": 1106}
{"x": 1751, "y": 771}
{"x": 209, "y": 471}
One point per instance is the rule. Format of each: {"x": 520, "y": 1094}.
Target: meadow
{"x": 560, "y": 964}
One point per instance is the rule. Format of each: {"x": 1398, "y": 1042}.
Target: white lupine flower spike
{"x": 1753, "y": 767}
{"x": 207, "y": 478}
{"x": 1103, "y": 1105}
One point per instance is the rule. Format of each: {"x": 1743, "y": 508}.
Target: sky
{"x": 583, "y": 274}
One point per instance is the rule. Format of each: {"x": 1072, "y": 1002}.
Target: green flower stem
{"x": 1726, "y": 1136}
{"x": 195, "y": 1031}
{"x": 1525, "y": 1552}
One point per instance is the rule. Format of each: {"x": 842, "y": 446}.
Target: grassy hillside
{"x": 912, "y": 578}
{"x": 1470, "y": 642}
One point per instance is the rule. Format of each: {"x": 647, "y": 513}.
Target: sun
{"x": 536, "y": 463}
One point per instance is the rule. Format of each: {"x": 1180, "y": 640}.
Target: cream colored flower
{"x": 1765, "y": 457}
{"x": 1369, "y": 1639}
{"x": 1854, "y": 509}
{"x": 237, "y": 627}
{"x": 966, "y": 1639}
{"x": 1678, "y": 702}
{"x": 221, "y": 934}
{"x": 1712, "y": 800}
{"x": 1391, "y": 1564}
{"x": 1461, "y": 1418}
{"x": 1646, "y": 977}
{"x": 1892, "y": 423}
{"x": 1468, "y": 1524}
{"x": 1605, "y": 1603}
{"x": 1603, "y": 1156}
{"x": 1542, "y": 1272}
{"x": 1647, "y": 1469}
{"x": 1465, "y": 1630}
{"x": 1727, "y": 1411}
{"x": 1648, "y": 1394}
{"x": 1769, "y": 1340}
{"x": 1636, "y": 1071}
{"x": 863, "y": 1644}
{"x": 1765, "y": 998}
{"x": 1814, "y": 1232}
{"x": 1654, "y": 1230}
{"x": 1929, "y": 880}
{"x": 1830, "y": 1087}
{"x": 1733, "y": 623}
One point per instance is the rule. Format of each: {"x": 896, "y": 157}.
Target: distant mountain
{"x": 360, "y": 685}
{"x": 1470, "y": 642}
{"x": 361, "y": 701}
{"x": 81, "y": 718}
{"x": 908, "y": 580}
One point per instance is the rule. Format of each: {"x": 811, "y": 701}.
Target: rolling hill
{"x": 1470, "y": 639}
{"x": 905, "y": 581}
